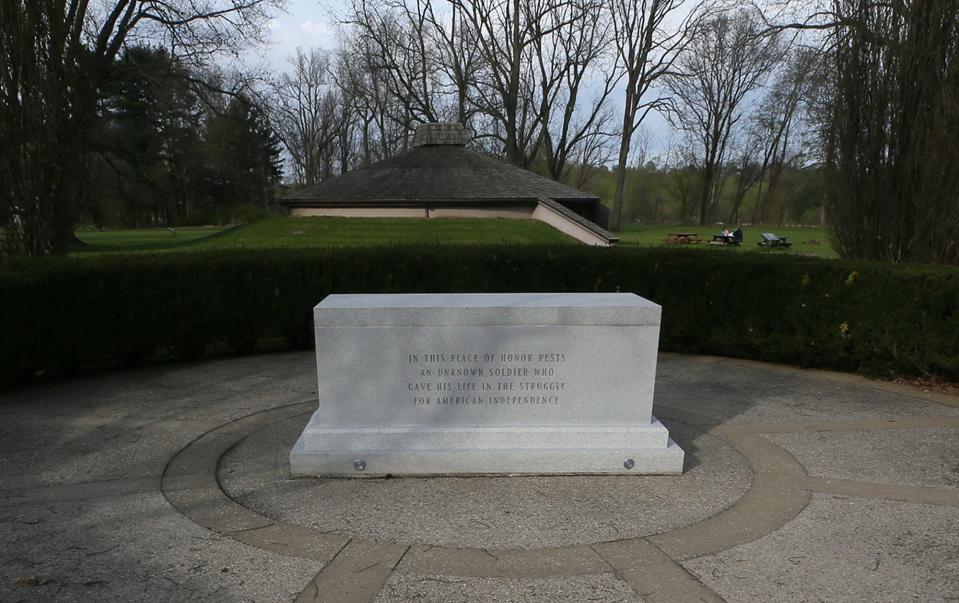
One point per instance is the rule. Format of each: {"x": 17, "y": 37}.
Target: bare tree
{"x": 304, "y": 110}
{"x": 531, "y": 78}
{"x": 396, "y": 36}
{"x": 458, "y": 57}
{"x": 55, "y": 56}
{"x": 648, "y": 34}
{"x": 776, "y": 121}
{"x": 573, "y": 60}
{"x": 746, "y": 167}
{"x": 639, "y": 203}
{"x": 725, "y": 62}
{"x": 683, "y": 182}
{"x": 427, "y": 55}
{"x": 347, "y": 127}
{"x": 595, "y": 149}
{"x": 890, "y": 131}
{"x": 383, "y": 122}
{"x": 360, "y": 103}
{"x": 508, "y": 88}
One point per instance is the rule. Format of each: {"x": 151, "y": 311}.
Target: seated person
{"x": 738, "y": 235}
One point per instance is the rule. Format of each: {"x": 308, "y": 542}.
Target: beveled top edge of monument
{"x": 449, "y": 309}
{"x": 484, "y": 300}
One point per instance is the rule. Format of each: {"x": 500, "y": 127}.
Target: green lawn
{"x": 347, "y": 232}
{"x": 815, "y": 241}
{"x": 328, "y": 232}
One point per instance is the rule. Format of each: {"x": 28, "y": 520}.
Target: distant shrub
{"x": 248, "y": 213}
{"x": 202, "y": 217}
{"x": 66, "y": 315}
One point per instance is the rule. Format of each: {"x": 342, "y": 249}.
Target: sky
{"x": 310, "y": 23}
{"x": 305, "y": 24}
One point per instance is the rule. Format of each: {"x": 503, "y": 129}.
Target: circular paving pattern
{"x": 209, "y": 479}
{"x": 740, "y": 485}
{"x": 800, "y": 485}
{"x": 499, "y": 512}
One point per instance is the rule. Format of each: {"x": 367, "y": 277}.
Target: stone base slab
{"x": 339, "y": 452}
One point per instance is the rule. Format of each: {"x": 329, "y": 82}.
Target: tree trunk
{"x": 616, "y": 212}
{"x": 513, "y": 153}
{"x": 706, "y": 196}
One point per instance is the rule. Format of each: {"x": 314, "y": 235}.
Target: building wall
{"x": 359, "y": 212}
{"x": 494, "y": 211}
{"x": 539, "y": 212}
{"x": 506, "y": 211}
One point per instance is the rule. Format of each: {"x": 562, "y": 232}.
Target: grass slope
{"x": 301, "y": 233}
{"x": 362, "y": 232}
{"x": 142, "y": 239}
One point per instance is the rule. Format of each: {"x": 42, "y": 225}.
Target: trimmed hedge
{"x": 61, "y": 316}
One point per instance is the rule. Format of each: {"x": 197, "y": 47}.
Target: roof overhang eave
{"x": 469, "y": 202}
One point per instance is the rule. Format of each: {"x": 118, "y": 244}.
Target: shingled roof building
{"x": 440, "y": 178}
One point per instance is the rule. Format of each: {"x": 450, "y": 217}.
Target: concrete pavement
{"x": 171, "y": 483}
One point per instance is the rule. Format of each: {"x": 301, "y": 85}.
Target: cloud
{"x": 317, "y": 28}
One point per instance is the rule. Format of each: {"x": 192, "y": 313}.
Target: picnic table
{"x": 682, "y": 237}
{"x": 771, "y": 240}
{"x": 724, "y": 239}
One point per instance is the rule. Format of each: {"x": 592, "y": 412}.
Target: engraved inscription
{"x": 486, "y": 379}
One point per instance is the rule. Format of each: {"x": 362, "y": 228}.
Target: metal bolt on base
{"x": 359, "y": 464}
